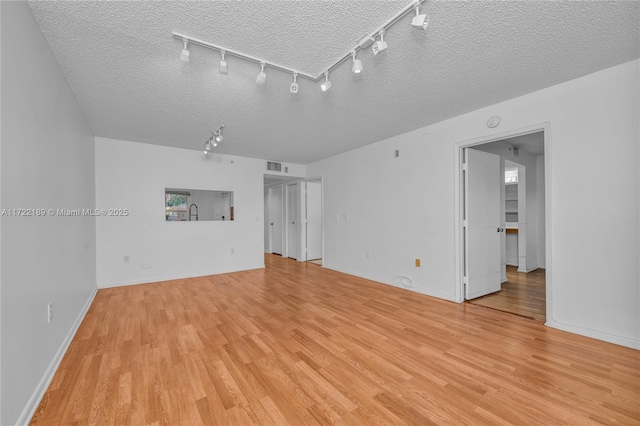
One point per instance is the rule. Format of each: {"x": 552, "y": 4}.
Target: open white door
{"x": 482, "y": 214}
{"x": 292, "y": 221}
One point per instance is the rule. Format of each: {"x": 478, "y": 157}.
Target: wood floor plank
{"x": 299, "y": 344}
{"x": 522, "y": 294}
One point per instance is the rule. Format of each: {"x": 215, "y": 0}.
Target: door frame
{"x": 459, "y": 261}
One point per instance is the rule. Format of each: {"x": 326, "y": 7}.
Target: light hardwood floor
{"x": 522, "y": 294}
{"x": 299, "y": 344}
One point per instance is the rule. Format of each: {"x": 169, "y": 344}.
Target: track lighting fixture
{"x": 326, "y": 84}
{"x": 366, "y": 41}
{"x": 218, "y": 135}
{"x": 207, "y": 146}
{"x": 213, "y": 140}
{"x": 419, "y": 21}
{"x": 381, "y": 45}
{"x": 356, "y": 68}
{"x": 224, "y": 70}
{"x": 262, "y": 77}
{"x": 184, "y": 56}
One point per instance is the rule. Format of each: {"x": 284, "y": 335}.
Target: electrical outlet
{"x": 50, "y": 312}
{"x": 126, "y": 258}
{"x": 417, "y": 263}
{"x": 233, "y": 250}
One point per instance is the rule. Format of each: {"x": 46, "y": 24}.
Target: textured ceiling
{"x": 123, "y": 65}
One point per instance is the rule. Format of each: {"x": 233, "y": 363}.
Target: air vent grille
{"x": 272, "y": 165}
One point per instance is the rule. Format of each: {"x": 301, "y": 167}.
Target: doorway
{"x": 293, "y": 218}
{"x": 503, "y": 251}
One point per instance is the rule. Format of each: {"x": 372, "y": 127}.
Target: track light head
{"x": 326, "y": 84}
{"x": 218, "y": 136}
{"x": 420, "y": 21}
{"x": 262, "y": 77}
{"x": 356, "y": 68}
{"x": 379, "y": 46}
{"x": 224, "y": 70}
{"x": 184, "y": 56}
{"x": 294, "y": 86}
{"x": 207, "y": 146}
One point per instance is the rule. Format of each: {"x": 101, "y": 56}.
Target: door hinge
{"x": 464, "y": 167}
{"x": 465, "y": 223}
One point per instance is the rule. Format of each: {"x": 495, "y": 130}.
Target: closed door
{"x": 275, "y": 219}
{"x": 292, "y": 221}
{"x": 483, "y": 230}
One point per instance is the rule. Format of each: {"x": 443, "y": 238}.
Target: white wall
{"x": 47, "y": 162}
{"x": 134, "y": 176}
{"x": 399, "y": 209}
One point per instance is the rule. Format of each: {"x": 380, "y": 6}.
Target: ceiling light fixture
{"x": 419, "y": 21}
{"x": 184, "y": 56}
{"x": 294, "y": 86}
{"x": 381, "y": 45}
{"x": 224, "y": 70}
{"x": 218, "y": 135}
{"x": 213, "y": 140}
{"x": 207, "y": 146}
{"x": 326, "y": 84}
{"x": 262, "y": 77}
{"x": 356, "y": 68}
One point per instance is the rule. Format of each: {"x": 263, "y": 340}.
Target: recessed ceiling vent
{"x": 272, "y": 165}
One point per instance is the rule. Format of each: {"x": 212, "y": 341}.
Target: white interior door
{"x": 275, "y": 218}
{"x": 267, "y": 223}
{"x": 483, "y": 230}
{"x": 292, "y": 221}
{"x": 314, "y": 220}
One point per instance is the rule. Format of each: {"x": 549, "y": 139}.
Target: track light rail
{"x": 273, "y": 65}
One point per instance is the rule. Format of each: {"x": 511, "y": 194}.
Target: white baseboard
{"x": 38, "y": 393}
{"x": 172, "y": 277}
{"x": 526, "y": 271}
{"x": 595, "y": 334}
{"x": 421, "y": 290}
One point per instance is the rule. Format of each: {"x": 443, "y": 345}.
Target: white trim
{"x": 30, "y": 409}
{"x": 419, "y": 290}
{"x": 458, "y": 203}
{"x": 595, "y": 334}
{"x": 151, "y": 280}
{"x": 526, "y": 271}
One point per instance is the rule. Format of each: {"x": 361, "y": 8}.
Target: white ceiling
{"x": 123, "y": 65}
